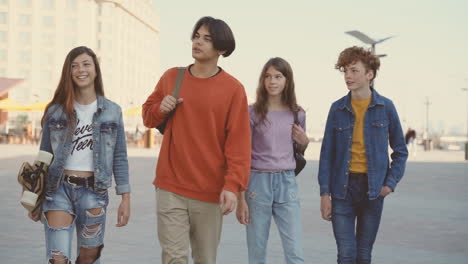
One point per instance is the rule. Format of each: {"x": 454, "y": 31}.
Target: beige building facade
{"x": 36, "y": 35}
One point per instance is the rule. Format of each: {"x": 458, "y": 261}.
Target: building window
{"x": 108, "y": 44}
{"x": 3, "y": 55}
{"x": 71, "y": 4}
{"x": 48, "y": 21}
{"x": 49, "y": 4}
{"x": 24, "y": 37}
{"x": 48, "y": 56}
{"x": 108, "y": 28}
{"x": 25, "y": 74}
{"x": 24, "y": 20}
{"x": 48, "y": 39}
{"x": 106, "y": 11}
{"x": 3, "y": 18}
{"x": 25, "y": 56}
{"x": 46, "y": 76}
{"x": 99, "y": 9}
{"x": 71, "y": 41}
{"x": 24, "y": 3}
{"x": 71, "y": 24}
{"x": 3, "y": 37}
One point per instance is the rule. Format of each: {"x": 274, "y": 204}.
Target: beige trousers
{"x": 180, "y": 220}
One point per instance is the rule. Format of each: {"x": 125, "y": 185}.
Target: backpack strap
{"x": 296, "y": 121}
{"x": 296, "y": 118}
{"x": 180, "y": 76}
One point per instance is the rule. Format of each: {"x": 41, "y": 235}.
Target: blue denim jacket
{"x": 381, "y": 126}
{"x": 109, "y": 146}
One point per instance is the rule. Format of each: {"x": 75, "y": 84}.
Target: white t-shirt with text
{"x": 81, "y": 155}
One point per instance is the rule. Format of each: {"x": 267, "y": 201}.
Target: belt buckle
{"x": 71, "y": 183}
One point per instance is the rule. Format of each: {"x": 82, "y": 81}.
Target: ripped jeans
{"x": 274, "y": 194}
{"x": 76, "y": 200}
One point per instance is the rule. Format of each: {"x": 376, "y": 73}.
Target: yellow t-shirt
{"x": 358, "y": 162}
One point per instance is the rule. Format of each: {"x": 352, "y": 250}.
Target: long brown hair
{"x": 288, "y": 96}
{"x": 64, "y": 95}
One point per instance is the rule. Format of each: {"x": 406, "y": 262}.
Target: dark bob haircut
{"x": 221, "y": 34}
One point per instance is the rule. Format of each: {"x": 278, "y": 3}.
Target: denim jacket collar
{"x": 101, "y": 103}
{"x": 376, "y": 100}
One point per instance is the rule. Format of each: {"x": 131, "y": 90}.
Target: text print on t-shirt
{"x": 83, "y": 137}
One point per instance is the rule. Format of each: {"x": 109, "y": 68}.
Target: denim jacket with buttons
{"x": 381, "y": 127}
{"x": 109, "y": 146}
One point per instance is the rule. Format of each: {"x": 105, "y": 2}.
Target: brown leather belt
{"x": 79, "y": 181}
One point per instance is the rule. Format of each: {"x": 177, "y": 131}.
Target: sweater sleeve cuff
{"x": 232, "y": 187}
{"x": 157, "y": 113}
{"x": 120, "y": 189}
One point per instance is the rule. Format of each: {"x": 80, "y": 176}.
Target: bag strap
{"x": 296, "y": 121}
{"x": 180, "y": 77}
{"x": 296, "y": 117}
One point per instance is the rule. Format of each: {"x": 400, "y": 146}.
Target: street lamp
{"x": 364, "y": 38}
{"x": 466, "y": 143}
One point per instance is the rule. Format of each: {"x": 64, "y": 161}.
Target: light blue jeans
{"x": 75, "y": 200}
{"x": 274, "y": 194}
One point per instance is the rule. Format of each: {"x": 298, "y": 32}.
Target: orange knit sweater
{"x": 206, "y": 145}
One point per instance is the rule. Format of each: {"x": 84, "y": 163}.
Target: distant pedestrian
{"x": 410, "y": 138}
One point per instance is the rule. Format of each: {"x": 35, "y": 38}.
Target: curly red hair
{"x": 355, "y": 54}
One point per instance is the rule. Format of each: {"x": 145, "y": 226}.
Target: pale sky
{"x": 427, "y": 58}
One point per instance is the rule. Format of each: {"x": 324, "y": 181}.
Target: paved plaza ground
{"x": 424, "y": 221}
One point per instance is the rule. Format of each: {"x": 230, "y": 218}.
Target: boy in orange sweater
{"x": 205, "y": 154}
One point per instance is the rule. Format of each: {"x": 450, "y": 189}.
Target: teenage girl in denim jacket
{"x": 85, "y": 133}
